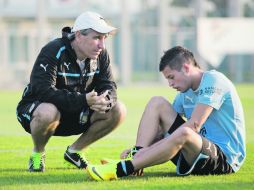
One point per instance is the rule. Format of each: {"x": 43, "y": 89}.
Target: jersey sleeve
{"x": 212, "y": 91}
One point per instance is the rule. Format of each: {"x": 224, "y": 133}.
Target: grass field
{"x": 16, "y": 144}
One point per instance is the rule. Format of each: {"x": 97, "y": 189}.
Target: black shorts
{"x": 211, "y": 159}
{"x": 69, "y": 122}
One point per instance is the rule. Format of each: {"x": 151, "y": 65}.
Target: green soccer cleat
{"x": 37, "y": 162}
{"x": 104, "y": 172}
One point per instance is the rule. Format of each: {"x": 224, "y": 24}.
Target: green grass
{"x": 16, "y": 144}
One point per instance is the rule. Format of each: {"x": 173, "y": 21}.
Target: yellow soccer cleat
{"x": 104, "y": 172}
{"x": 139, "y": 172}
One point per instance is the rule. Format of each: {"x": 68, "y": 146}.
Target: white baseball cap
{"x": 94, "y": 21}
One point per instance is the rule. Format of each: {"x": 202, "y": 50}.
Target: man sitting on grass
{"x": 210, "y": 141}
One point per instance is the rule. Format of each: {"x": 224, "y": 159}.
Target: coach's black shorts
{"x": 211, "y": 159}
{"x": 69, "y": 122}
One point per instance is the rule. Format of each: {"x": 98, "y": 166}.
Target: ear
{"x": 186, "y": 68}
{"x": 78, "y": 36}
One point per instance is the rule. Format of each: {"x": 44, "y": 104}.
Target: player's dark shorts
{"x": 211, "y": 159}
{"x": 69, "y": 123}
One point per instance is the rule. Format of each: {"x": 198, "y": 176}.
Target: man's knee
{"x": 186, "y": 132}
{"x": 119, "y": 110}
{"x": 185, "y": 135}
{"x": 112, "y": 118}
{"x": 46, "y": 113}
{"x": 118, "y": 113}
{"x": 158, "y": 103}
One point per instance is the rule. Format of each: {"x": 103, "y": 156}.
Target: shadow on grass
{"x": 151, "y": 181}
{"x": 161, "y": 174}
{"x": 59, "y": 176}
{"x": 13, "y": 170}
{"x": 50, "y": 169}
{"x": 151, "y": 175}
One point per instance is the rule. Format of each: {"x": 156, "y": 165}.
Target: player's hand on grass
{"x": 125, "y": 153}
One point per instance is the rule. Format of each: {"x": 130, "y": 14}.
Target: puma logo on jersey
{"x": 189, "y": 98}
{"x": 44, "y": 67}
{"x": 67, "y": 65}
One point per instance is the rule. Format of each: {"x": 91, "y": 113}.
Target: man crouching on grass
{"x": 71, "y": 92}
{"x": 210, "y": 141}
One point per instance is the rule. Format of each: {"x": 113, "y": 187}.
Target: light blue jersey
{"x": 225, "y": 126}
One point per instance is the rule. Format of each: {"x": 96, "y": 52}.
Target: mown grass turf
{"x": 16, "y": 144}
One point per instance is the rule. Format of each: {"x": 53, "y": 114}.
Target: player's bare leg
{"x": 157, "y": 118}
{"x": 184, "y": 139}
{"x": 45, "y": 120}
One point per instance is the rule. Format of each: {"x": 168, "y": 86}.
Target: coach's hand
{"x": 98, "y": 103}
{"x": 91, "y": 98}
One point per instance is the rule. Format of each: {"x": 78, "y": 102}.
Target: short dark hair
{"x": 176, "y": 57}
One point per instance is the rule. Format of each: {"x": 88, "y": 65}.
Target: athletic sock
{"x": 138, "y": 147}
{"x": 177, "y": 123}
{"x": 124, "y": 168}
